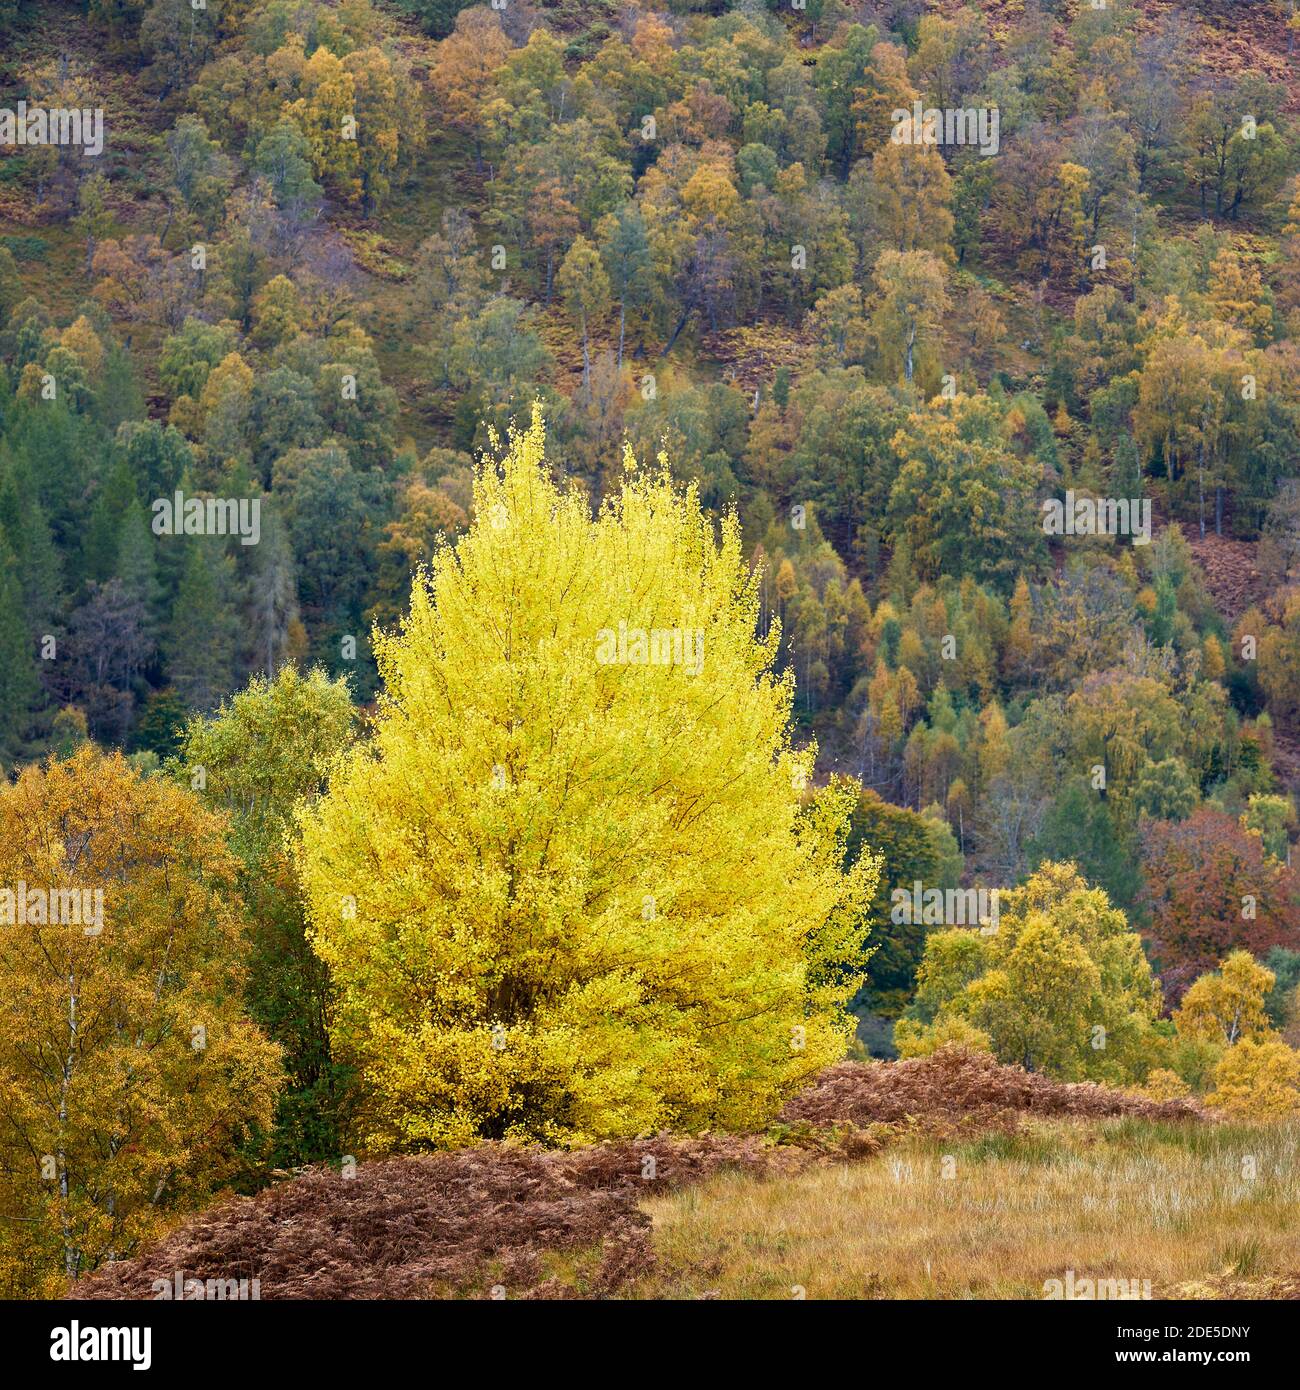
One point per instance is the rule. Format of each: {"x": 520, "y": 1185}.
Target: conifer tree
{"x": 200, "y": 642}
{"x": 19, "y": 685}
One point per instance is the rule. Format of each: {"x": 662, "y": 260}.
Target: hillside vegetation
{"x": 690, "y": 592}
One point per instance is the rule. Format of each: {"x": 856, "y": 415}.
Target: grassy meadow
{"x": 1125, "y": 1198}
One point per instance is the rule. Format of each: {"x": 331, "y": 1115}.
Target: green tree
{"x": 284, "y": 156}
{"x": 137, "y": 566}
{"x": 909, "y": 305}
{"x": 838, "y": 78}
{"x": 903, "y": 841}
{"x": 19, "y": 686}
{"x": 625, "y": 247}
{"x": 93, "y": 220}
{"x": 1078, "y": 825}
{"x": 268, "y": 748}
{"x": 37, "y": 559}
{"x": 1059, "y": 985}
{"x": 330, "y": 510}
{"x": 1272, "y": 818}
{"x": 497, "y": 356}
{"x": 964, "y": 501}
{"x": 437, "y": 16}
{"x": 200, "y": 642}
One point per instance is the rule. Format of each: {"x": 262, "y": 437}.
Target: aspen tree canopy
{"x": 566, "y": 893}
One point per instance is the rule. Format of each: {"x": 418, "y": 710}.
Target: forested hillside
{"x": 923, "y": 378}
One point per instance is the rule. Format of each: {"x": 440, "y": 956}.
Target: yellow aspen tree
{"x": 1227, "y": 1005}
{"x": 888, "y": 89}
{"x": 1238, "y": 295}
{"x": 912, "y": 198}
{"x": 387, "y": 118}
{"x": 577, "y": 886}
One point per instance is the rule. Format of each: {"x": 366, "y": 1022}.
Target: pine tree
{"x": 23, "y": 524}
{"x": 110, "y": 507}
{"x": 137, "y": 565}
{"x": 19, "y": 685}
{"x": 272, "y": 597}
{"x": 200, "y": 642}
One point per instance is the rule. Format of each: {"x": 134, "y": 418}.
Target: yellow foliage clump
{"x": 1226, "y": 1006}
{"x": 1163, "y": 1084}
{"x": 575, "y": 887}
{"x": 128, "y": 1070}
{"x": 914, "y": 1039}
{"x": 1257, "y": 1081}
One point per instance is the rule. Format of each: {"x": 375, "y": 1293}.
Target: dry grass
{"x": 1123, "y": 1198}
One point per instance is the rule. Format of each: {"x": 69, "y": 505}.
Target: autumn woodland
{"x": 649, "y": 650}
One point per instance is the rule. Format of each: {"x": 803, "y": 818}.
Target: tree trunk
{"x": 1200, "y": 487}
{"x": 681, "y": 323}
{"x": 69, "y": 1253}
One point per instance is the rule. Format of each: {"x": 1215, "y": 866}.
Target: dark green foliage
{"x": 1079, "y": 827}
{"x": 903, "y": 839}
{"x": 19, "y": 686}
